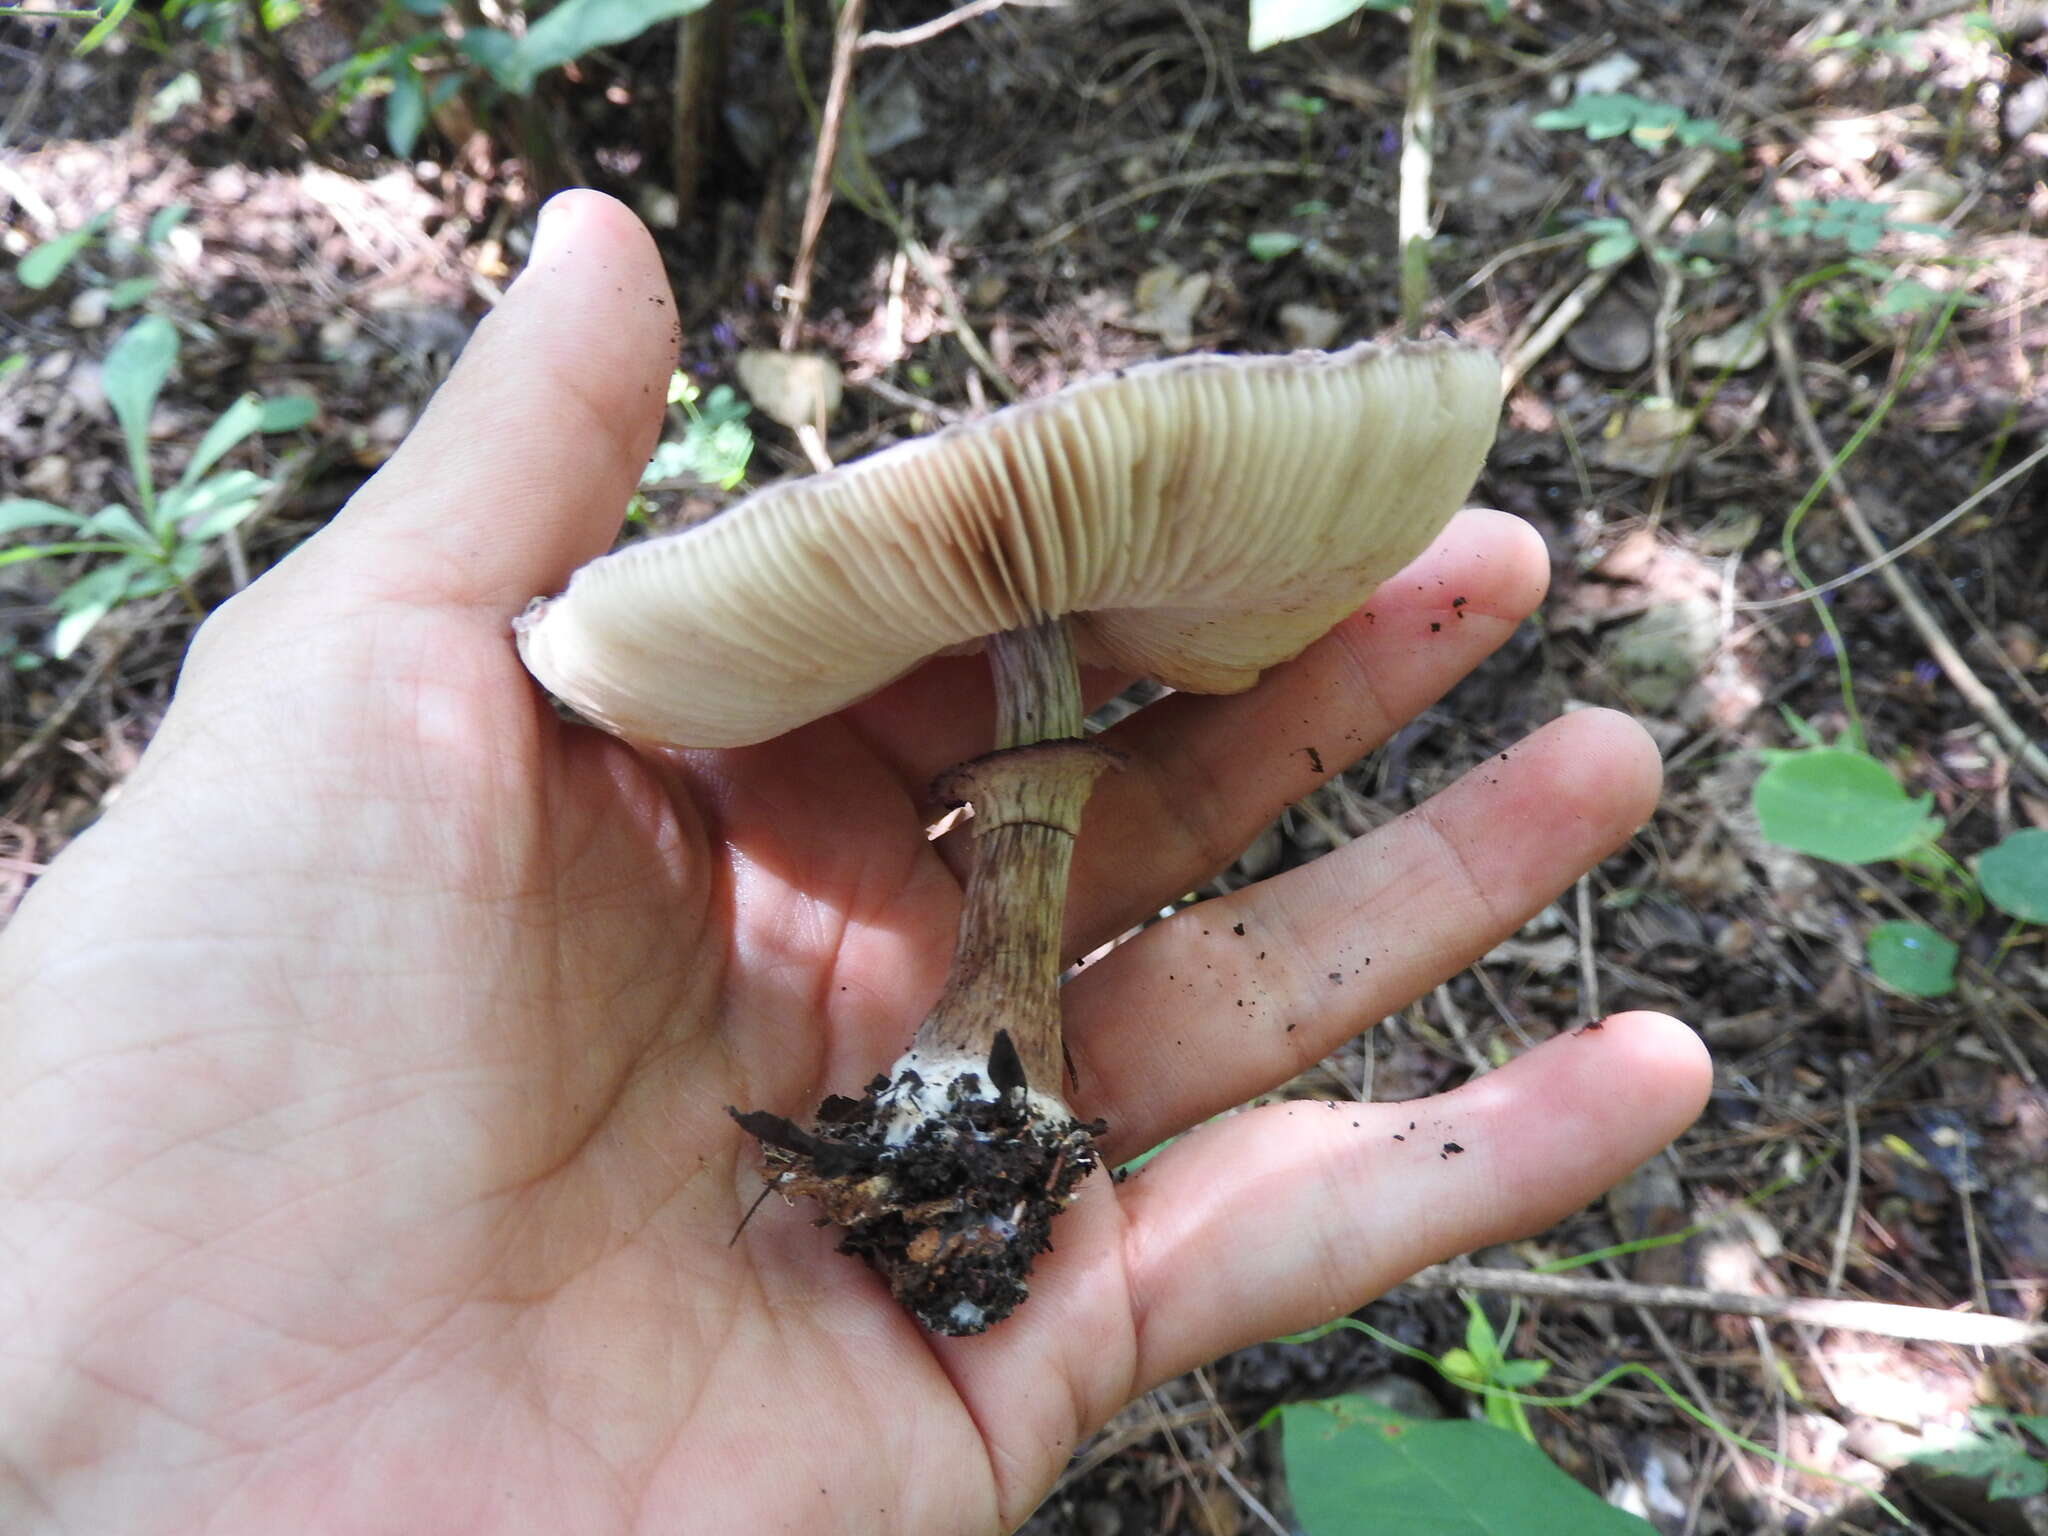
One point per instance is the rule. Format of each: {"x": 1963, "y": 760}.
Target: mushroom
{"x": 1194, "y": 521}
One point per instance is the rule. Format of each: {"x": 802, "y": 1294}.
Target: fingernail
{"x": 549, "y": 230}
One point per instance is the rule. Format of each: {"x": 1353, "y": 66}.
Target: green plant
{"x": 41, "y": 266}
{"x": 1357, "y": 1469}
{"x": 214, "y": 22}
{"x": 1460, "y": 1478}
{"x": 2004, "y": 1449}
{"x": 1843, "y": 805}
{"x": 1482, "y": 1366}
{"x": 1648, "y": 124}
{"x": 1850, "y": 222}
{"x": 1610, "y": 241}
{"x": 158, "y": 544}
{"x": 406, "y": 55}
{"x": 716, "y": 442}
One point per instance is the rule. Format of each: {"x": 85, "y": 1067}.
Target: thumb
{"x": 522, "y": 465}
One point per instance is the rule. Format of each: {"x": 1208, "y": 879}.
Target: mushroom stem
{"x": 947, "y": 1175}
{"x": 1027, "y": 796}
{"x": 1038, "y": 684}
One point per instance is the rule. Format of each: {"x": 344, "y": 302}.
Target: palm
{"x": 369, "y": 1068}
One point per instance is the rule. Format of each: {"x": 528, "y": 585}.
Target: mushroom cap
{"x": 1200, "y": 520}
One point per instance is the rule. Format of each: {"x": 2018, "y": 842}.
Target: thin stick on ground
{"x": 1889, "y": 1319}
{"x": 1907, "y": 594}
{"x": 820, "y": 196}
{"x": 1174, "y": 182}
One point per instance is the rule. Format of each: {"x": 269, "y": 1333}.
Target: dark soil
{"x": 954, "y": 1216}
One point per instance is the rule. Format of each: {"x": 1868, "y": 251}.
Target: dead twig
{"x": 1891, "y": 1320}
{"x": 1904, "y": 591}
{"x": 1199, "y": 177}
{"x": 798, "y": 293}
{"x": 925, "y": 31}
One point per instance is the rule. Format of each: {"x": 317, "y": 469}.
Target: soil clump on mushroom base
{"x": 953, "y": 1215}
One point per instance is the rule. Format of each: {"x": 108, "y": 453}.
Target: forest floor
{"x": 1860, "y": 269}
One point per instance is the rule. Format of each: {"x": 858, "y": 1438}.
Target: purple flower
{"x": 1925, "y": 672}
{"x": 1390, "y": 141}
{"x": 1824, "y": 646}
{"x": 722, "y": 334}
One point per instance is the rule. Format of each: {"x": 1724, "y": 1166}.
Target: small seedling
{"x": 1843, "y": 805}
{"x": 716, "y": 442}
{"x": 1610, "y": 241}
{"x": 1482, "y": 1366}
{"x": 1272, "y": 244}
{"x": 158, "y": 544}
{"x": 2004, "y": 1449}
{"x": 1648, "y": 124}
{"x": 1850, "y": 222}
{"x": 420, "y": 71}
{"x": 43, "y": 265}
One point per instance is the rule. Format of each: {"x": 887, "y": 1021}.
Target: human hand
{"x": 365, "y": 1070}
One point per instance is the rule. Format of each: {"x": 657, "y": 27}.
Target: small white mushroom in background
{"x": 1194, "y": 521}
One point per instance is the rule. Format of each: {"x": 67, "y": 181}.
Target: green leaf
{"x": 1271, "y": 244}
{"x": 1280, "y": 21}
{"x": 2014, "y": 875}
{"x": 1354, "y": 1469}
{"x": 1912, "y": 958}
{"x": 1841, "y": 805}
{"x": 497, "y": 53}
{"x": 19, "y": 512}
{"x": 405, "y": 110}
{"x": 121, "y": 524}
{"x": 1610, "y": 250}
{"x": 575, "y": 27}
{"x": 130, "y": 291}
{"x": 217, "y": 505}
{"x": 1479, "y": 1335}
{"x": 287, "y": 413}
{"x": 104, "y": 27}
{"x": 42, "y": 266}
{"x": 229, "y": 428}
{"x": 1649, "y": 124}
{"x": 163, "y": 221}
{"x": 182, "y": 90}
{"x": 88, "y": 600}
{"x": 20, "y": 554}
{"x": 71, "y": 630}
{"x": 2001, "y": 1460}
{"x": 133, "y": 376}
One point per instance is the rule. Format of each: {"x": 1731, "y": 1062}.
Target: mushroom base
{"x": 952, "y": 1213}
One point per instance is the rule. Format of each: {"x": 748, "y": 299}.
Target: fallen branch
{"x": 820, "y": 198}
{"x": 1932, "y": 1324}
